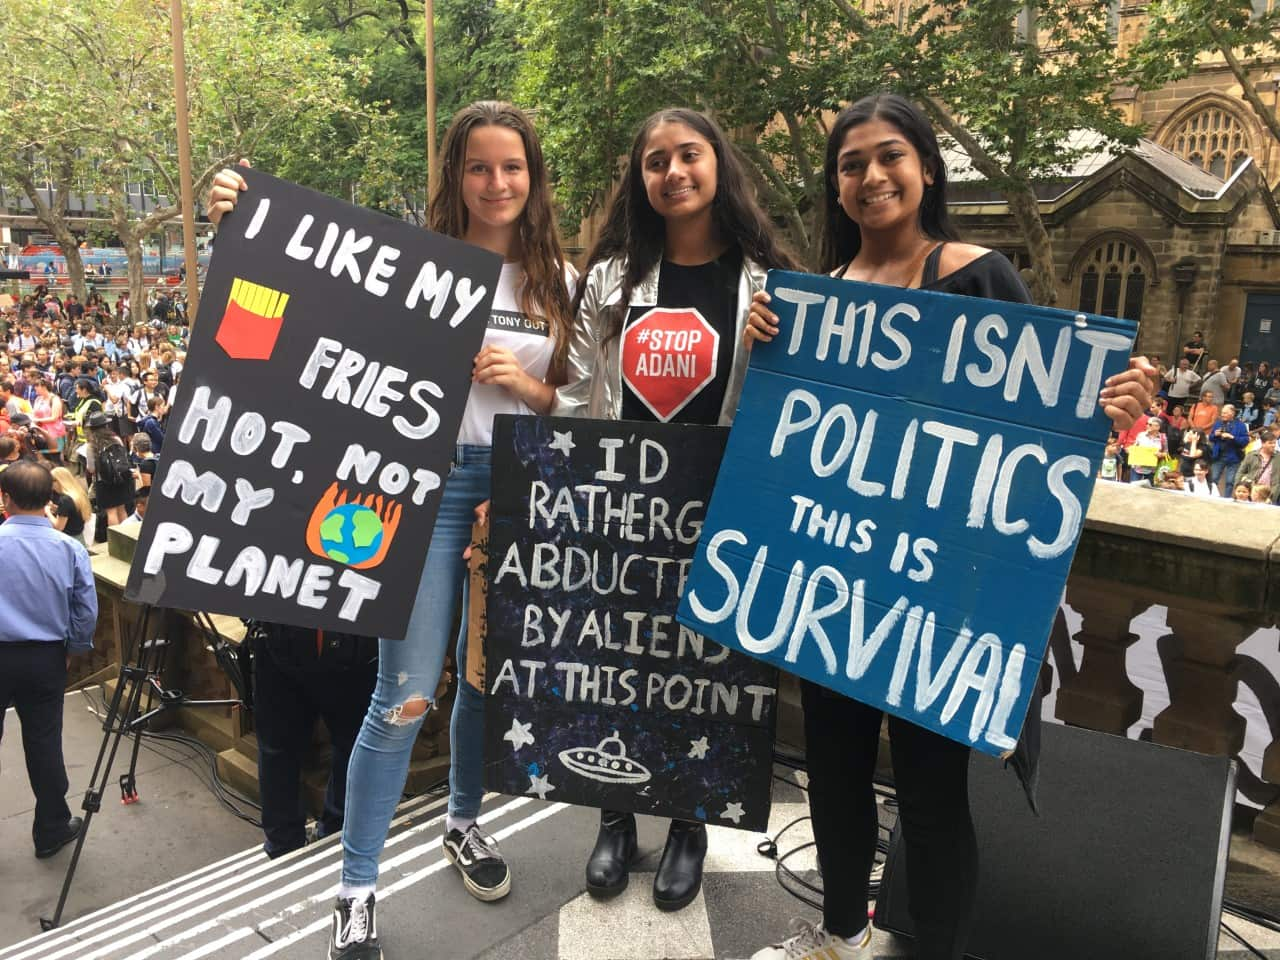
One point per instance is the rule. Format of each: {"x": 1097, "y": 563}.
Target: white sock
{"x": 855, "y": 939}
{"x": 348, "y": 892}
{"x": 462, "y": 824}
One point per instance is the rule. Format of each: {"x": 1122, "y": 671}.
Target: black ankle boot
{"x": 610, "y": 861}
{"x": 679, "y": 876}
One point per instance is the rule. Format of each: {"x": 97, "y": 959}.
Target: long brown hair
{"x": 636, "y": 231}
{"x": 544, "y": 289}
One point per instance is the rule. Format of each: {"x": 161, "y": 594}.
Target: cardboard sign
{"x": 596, "y": 696}
{"x": 902, "y": 493}
{"x": 477, "y": 605}
{"x": 316, "y": 415}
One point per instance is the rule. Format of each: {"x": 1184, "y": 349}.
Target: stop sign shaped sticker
{"x": 668, "y": 356}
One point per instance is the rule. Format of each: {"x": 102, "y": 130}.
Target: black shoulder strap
{"x": 931, "y": 265}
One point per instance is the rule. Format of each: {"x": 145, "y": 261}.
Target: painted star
{"x": 562, "y": 442}
{"x": 698, "y": 749}
{"x": 541, "y": 786}
{"x": 519, "y": 734}
{"x": 734, "y": 812}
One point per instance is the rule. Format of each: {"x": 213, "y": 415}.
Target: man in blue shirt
{"x": 48, "y": 611}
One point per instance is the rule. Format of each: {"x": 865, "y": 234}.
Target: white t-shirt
{"x": 529, "y": 338}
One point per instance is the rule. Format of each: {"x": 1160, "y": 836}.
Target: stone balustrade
{"x": 1214, "y": 566}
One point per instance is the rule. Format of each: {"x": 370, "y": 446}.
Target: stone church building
{"x": 1180, "y": 232}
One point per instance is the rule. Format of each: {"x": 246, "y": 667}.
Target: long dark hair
{"x": 840, "y": 238}
{"x": 636, "y": 231}
{"x": 542, "y": 258}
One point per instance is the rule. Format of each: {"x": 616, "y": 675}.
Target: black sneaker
{"x": 476, "y": 855}
{"x": 355, "y": 930}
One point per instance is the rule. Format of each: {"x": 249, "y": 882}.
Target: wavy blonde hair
{"x": 64, "y": 481}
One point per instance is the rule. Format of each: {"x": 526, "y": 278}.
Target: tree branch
{"x": 1247, "y": 88}
{"x": 982, "y": 161}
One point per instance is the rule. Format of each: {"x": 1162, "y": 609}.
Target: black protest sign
{"x": 596, "y": 695}
{"x": 316, "y": 415}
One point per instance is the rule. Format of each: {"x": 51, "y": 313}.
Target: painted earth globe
{"x": 350, "y": 533}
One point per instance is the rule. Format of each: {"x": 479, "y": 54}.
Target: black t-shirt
{"x": 67, "y": 508}
{"x": 676, "y": 357}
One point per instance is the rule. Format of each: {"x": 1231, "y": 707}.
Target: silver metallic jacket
{"x": 594, "y": 387}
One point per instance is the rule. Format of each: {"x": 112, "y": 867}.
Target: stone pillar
{"x": 1101, "y": 696}
{"x": 1266, "y": 828}
{"x": 1202, "y": 690}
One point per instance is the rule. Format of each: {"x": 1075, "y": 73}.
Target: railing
{"x": 1213, "y": 566}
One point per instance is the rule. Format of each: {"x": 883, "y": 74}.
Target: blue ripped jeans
{"x": 409, "y": 670}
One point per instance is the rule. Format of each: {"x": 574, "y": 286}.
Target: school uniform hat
{"x": 97, "y": 419}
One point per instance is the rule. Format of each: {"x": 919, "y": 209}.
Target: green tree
{"x": 1179, "y": 31}
{"x": 1011, "y": 82}
{"x": 477, "y": 52}
{"x": 255, "y": 81}
{"x": 596, "y": 68}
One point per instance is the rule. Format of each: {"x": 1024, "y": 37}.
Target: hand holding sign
{"x": 901, "y": 494}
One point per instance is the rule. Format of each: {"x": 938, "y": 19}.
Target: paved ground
{"x": 229, "y": 901}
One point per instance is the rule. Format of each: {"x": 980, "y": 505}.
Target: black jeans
{"x": 932, "y": 777}
{"x": 33, "y": 678}
{"x": 286, "y": 701}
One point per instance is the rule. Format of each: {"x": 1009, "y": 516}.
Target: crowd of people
{"x": 1210, "y": 434}
{"x": 87, "y": 394}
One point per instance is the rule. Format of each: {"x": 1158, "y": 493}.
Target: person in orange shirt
{"x": 1204, "y": 413}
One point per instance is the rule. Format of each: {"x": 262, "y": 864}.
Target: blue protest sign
{"x": 901, "y": 496}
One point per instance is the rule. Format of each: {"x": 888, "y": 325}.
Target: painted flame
{"x": 388, "y": 512}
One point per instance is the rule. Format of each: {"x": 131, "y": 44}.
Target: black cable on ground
{"x": 225, "y": 794}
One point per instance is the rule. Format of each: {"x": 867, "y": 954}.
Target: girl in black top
{"x": 886, "y": 222}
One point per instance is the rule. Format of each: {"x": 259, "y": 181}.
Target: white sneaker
{"x": 809, "y": 941}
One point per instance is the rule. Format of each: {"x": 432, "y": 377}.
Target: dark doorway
{"x": 1261, "y": 338}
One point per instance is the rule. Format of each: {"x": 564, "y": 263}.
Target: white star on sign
{"x": 541, "y": 786}
{"x": 698, "y": 749}
{"x": 562, "y": 442}
{"x": 734, "y": 812}
{"x": 519, "y": 734}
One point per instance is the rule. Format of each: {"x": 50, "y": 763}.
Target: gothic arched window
{"x": 1212, "y": 139}
{"x": 1113, "y": 280}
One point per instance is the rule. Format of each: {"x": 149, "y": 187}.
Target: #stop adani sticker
{"x": 668, "y": 356}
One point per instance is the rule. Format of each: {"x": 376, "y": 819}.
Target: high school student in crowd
{"x": 494, "y": 193}
{"x": 886, "y": 222}
{"x": 684, "y": 231}
{"x": 107, "y": 462}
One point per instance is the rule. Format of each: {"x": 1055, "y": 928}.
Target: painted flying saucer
{"x": 605, "y": 764}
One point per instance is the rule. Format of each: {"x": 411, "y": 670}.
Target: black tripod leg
{"x": 114, "y": 725}
{"x": 153, "y": 662}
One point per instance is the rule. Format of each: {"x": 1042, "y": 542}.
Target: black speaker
{"x": 1127, "y": 859}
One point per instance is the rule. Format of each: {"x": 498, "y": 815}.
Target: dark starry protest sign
{"x": 316, "y": 415}
{"x": 595, "y": 695}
